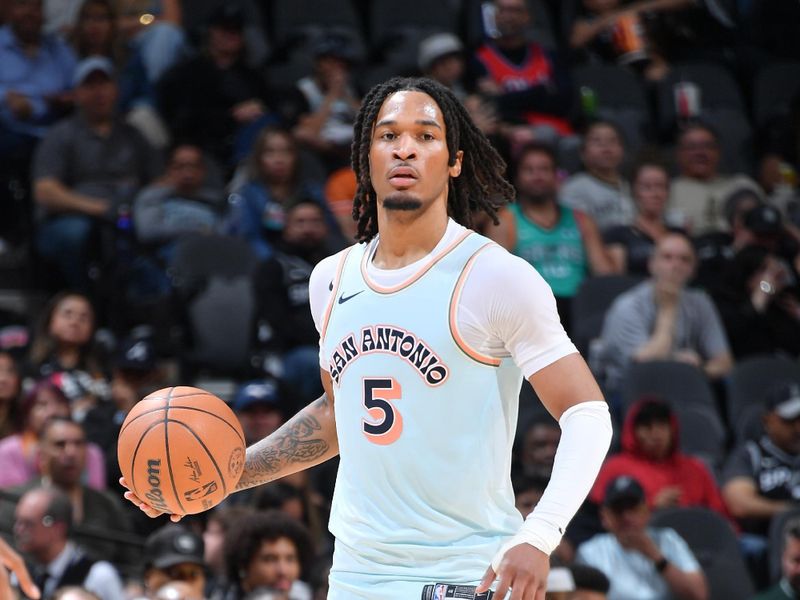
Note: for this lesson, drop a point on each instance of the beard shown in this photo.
(536, 199)
(402, 201)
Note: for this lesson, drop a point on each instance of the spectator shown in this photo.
(715, 250)
(274, 184)
(63, 347)
(185, 200)
(42, 525)
(527, 493)
(174, 553)
(328, 101)
(661, 319)
(441, 58)
(282, 297)
(601, 192)
(260, 409)
(759, 480)
(95, 31)
(640, 561)
(35, 80)
(528, 83)
(564, 245)
(64, 337)
(759, 304)
(631, 246)
(590, 583)
(63, 460)
(86, 168)
(214, 97)
(789, 585)
(698, 192)
(611, 31)
(651, 454)
(20, 453)
(269, 550)
(538, 447)
(220, 521)
(10, 387)
(135, 373)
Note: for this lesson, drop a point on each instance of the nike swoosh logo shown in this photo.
(343, 298)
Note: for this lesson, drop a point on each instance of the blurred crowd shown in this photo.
(171, 171)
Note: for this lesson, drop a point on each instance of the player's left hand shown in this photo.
(524, 569)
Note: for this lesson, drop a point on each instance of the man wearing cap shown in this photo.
(762, 478)
(174, 553)
(640, 561)
(135, 373)
(260, 409)
(86, 169)
(441, 57)
(327, 101)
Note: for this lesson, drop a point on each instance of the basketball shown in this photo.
(181, 450)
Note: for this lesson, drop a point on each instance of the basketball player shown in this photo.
(426, 331)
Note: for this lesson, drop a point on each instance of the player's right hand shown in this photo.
(143, 506)
(14, 563)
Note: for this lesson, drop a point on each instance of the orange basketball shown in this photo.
(181, 450)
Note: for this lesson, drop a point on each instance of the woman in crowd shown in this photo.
(273, 185)
(64, 344)
(10, 385)
(19, 453)
(630, 246)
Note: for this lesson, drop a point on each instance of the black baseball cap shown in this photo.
(173, 545)
(227, 16)
(784, 400)
(623, 492)
(135, 354)
(763, 220)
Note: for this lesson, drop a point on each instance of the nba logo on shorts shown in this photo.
(439, 592)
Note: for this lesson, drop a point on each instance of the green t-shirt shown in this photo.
(557, 254)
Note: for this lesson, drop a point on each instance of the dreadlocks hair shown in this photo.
(481, 187)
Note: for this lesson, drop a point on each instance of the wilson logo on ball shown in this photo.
(154, 494)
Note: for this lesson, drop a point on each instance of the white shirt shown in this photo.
(500, 294)
(101, 580)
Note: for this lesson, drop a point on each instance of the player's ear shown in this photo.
(455, 168)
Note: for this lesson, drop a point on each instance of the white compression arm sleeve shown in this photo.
(585, 438)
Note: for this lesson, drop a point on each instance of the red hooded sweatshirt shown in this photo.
(688, 473)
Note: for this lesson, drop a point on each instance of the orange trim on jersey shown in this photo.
(454, 301)
(396, 288)
(336, 280)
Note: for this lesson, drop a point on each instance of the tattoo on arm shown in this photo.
(300, 440)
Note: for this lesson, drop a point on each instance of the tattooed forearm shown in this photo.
(307, 439)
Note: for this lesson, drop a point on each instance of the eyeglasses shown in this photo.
(45, 521)
(184, 572)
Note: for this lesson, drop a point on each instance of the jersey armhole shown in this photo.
(334, 290)
(455, 299)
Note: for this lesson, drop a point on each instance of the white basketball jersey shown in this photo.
(425, 427)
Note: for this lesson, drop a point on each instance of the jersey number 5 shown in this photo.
(386, 422)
